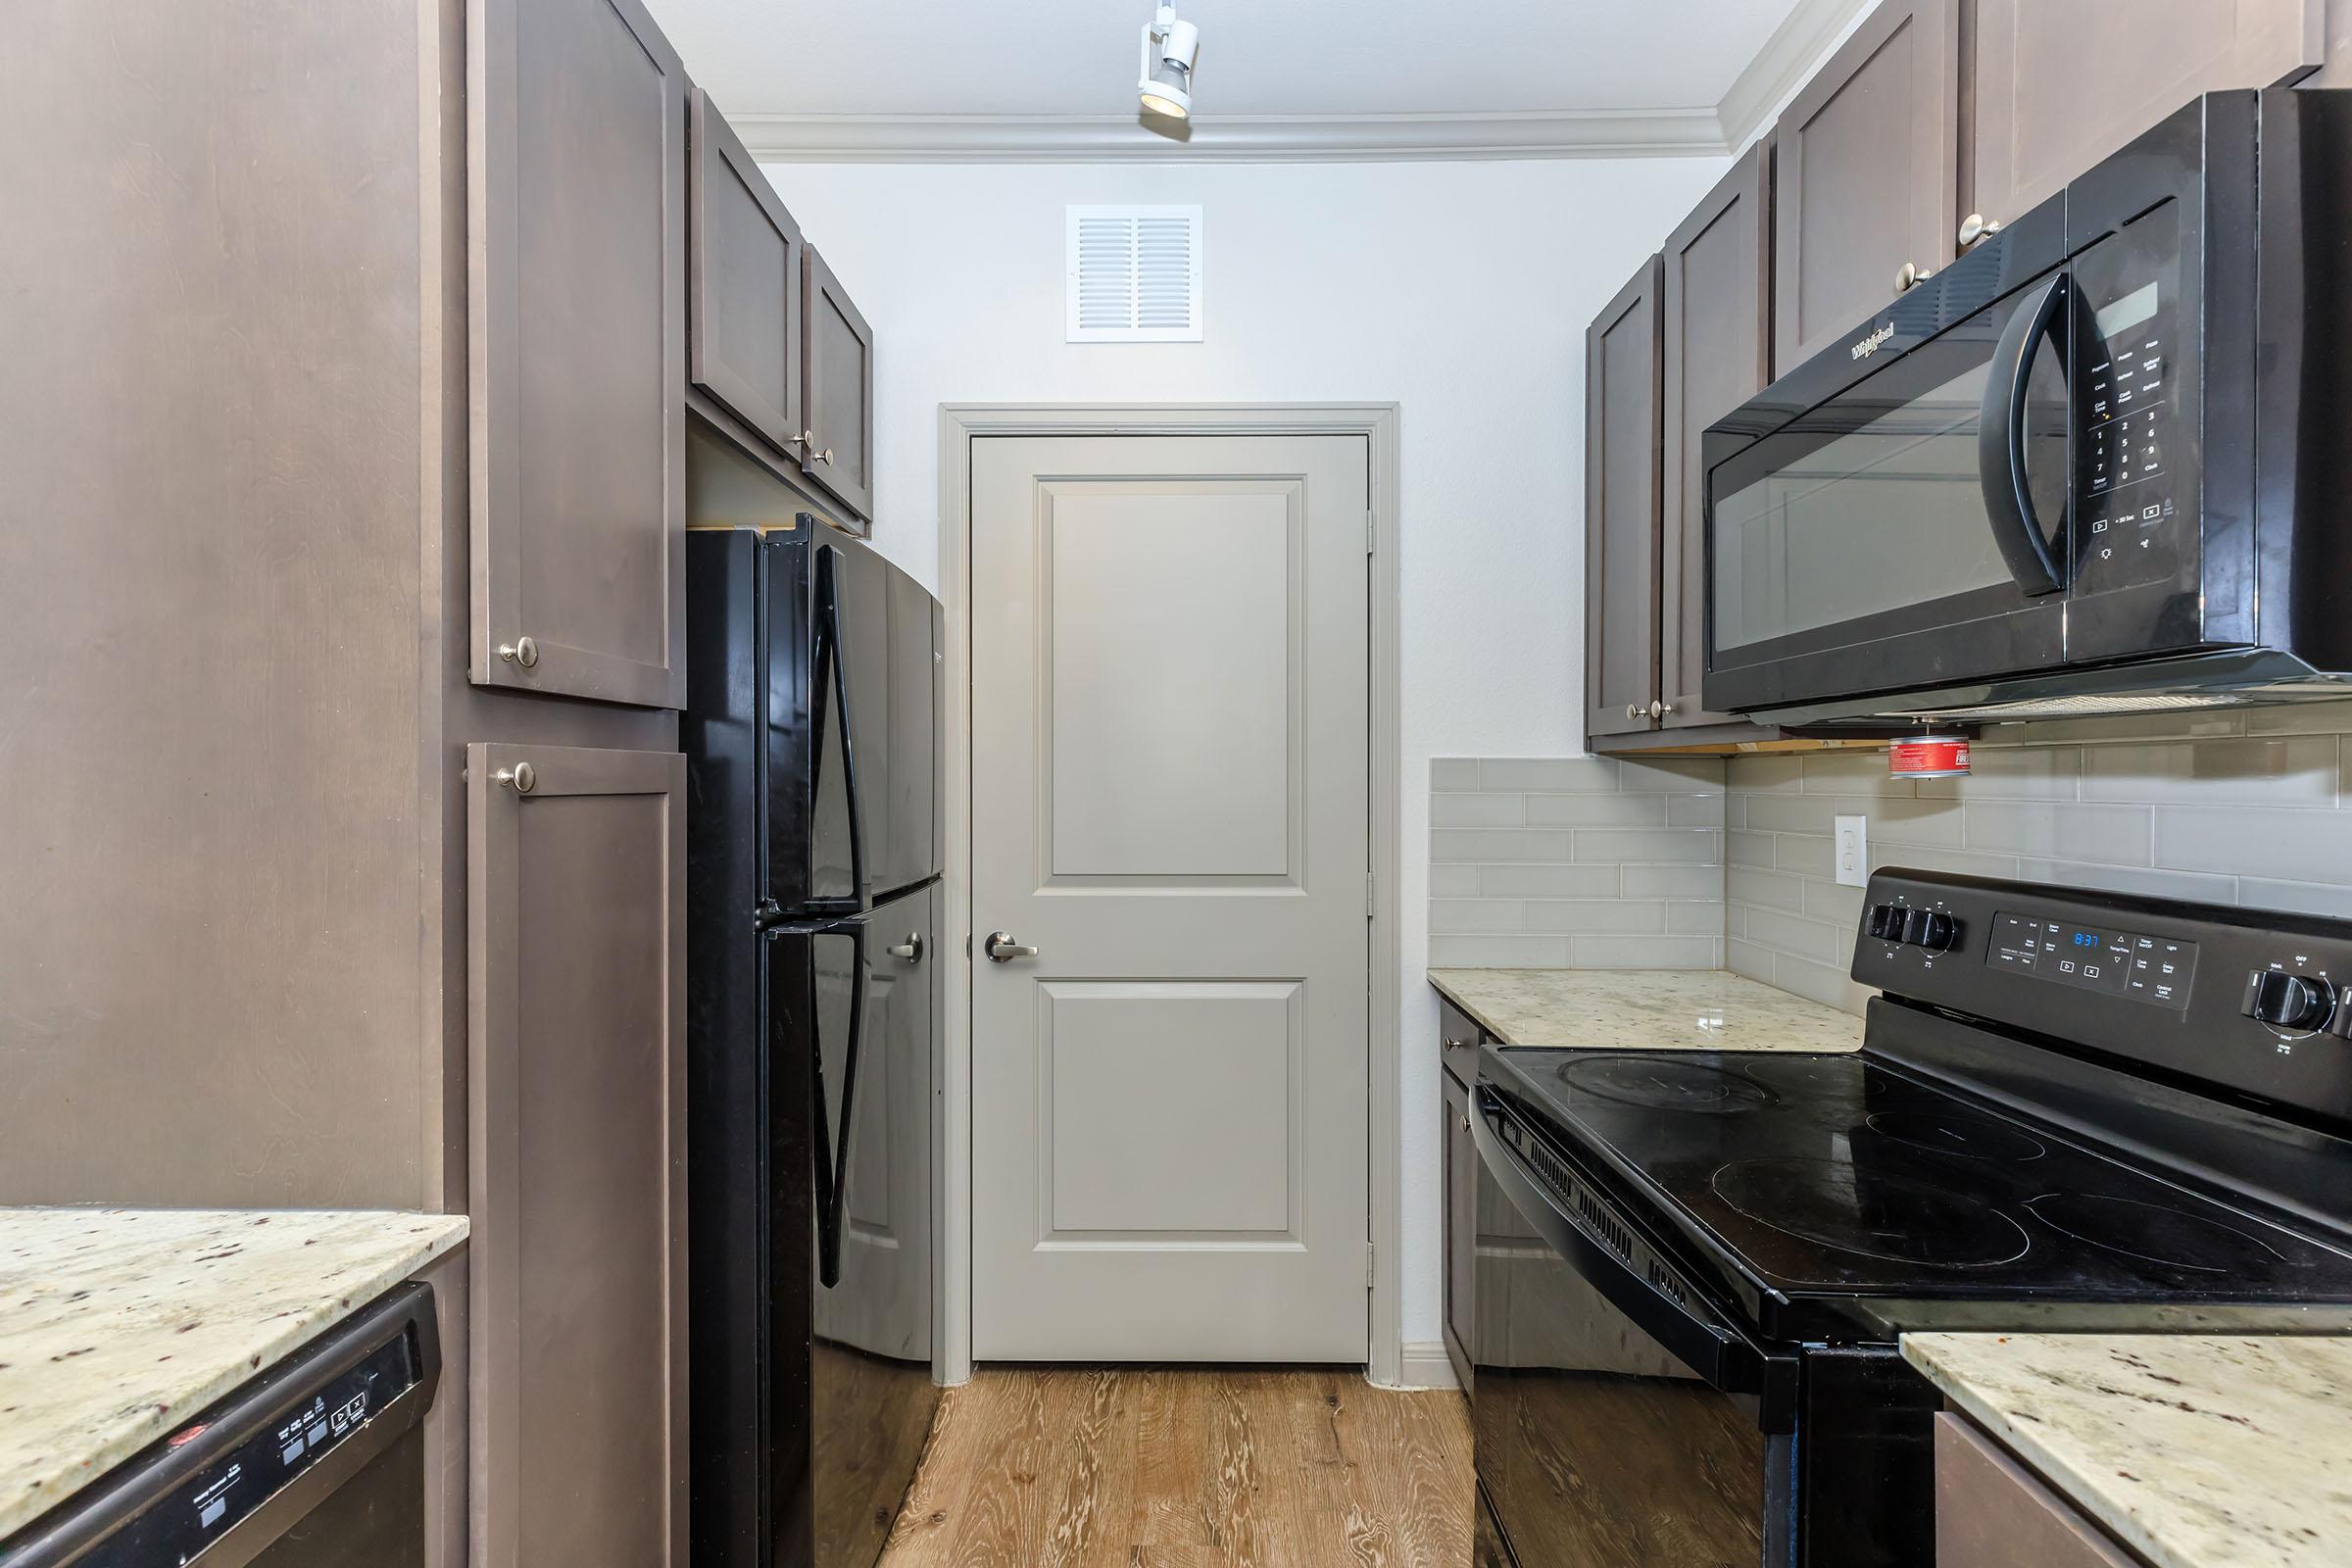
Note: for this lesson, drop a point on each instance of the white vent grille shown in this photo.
(1134, 274)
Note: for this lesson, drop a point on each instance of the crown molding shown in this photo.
(1796, 47)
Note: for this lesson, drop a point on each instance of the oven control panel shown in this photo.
(2253, 1000)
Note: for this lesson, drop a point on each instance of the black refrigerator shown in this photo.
(814, 1016)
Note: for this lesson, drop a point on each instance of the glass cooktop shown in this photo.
(1814, 1176)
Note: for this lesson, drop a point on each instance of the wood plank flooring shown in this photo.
(1188, 1467)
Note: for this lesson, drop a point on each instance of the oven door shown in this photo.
(1902, 518)
(1619, 1419)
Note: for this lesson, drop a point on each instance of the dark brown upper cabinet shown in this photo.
(1868, 178)
(1718, 354)
(2037, 126)
(1621, 508)
(742, 296)
(576, 198)
(837, 389)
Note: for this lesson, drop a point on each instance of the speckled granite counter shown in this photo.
(2197, 1451)
(117, 1324)
(1644, 1009)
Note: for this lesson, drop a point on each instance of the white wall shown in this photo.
(1459, 290)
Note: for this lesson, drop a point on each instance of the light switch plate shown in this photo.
(1853, 850)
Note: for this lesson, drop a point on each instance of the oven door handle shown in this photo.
(2001, 440)
(1722, 1357)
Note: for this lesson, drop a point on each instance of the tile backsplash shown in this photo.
(1584, 863)
(2252, 808)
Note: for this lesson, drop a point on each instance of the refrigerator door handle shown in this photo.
(829, 661)
(832, 1145)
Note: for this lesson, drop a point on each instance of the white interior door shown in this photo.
(1169, 803)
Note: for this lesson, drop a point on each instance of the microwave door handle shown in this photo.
(2001, 444)
(1724, 1359)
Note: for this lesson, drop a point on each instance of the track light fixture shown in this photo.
(1169, 49)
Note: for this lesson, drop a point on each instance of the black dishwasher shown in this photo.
(318, 1462)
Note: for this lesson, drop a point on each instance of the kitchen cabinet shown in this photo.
(2037, 127)
(1461, 1225)
(576, 150)
(577, 884)
(1622, 452)
(838, 389)
(1717, 347)
(743, 253)
(1990, 1512)
(1868, 174)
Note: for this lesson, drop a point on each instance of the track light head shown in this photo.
(1169, 49)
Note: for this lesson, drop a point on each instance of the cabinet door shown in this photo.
(1868, 174)
(1461, 1224)
(576, 949)
(2037, 127)
(1718, 354)
(576, 217)
(744, 284)
(838, 389)
(1991, 1513)
(1621, 510)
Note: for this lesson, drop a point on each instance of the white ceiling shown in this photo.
(781, 69)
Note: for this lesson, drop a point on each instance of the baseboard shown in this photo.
(1424, 1364)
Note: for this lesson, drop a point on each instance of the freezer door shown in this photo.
(911, 851)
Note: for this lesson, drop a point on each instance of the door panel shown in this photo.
(838, 392)
(1170, 654)
(1461, 1225)
(1718, 354)
(2037, 127)
(1867, 175)
(577, 222)
(745, 303)
(576, 1081)
(909, 851)
(1622, 458)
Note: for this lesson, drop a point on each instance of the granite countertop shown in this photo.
(1644, 1009)
(2194, 1451)
(116, 1325)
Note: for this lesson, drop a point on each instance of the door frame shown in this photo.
(960, 425)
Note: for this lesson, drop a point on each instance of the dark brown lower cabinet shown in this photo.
(1991, 1512)
(1461, 1224)
(576, 1081)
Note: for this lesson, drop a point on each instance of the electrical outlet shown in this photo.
(1853, 850)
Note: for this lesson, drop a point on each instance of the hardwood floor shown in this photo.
(1188, 1467)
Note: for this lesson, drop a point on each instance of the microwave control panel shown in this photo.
(2127, 515)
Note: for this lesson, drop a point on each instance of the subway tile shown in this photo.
(1477, 811)
(1923, 857)
(1853, 773)
(1547, 952)
(2274, 770)
(1594, 810)
(1815, 939)
(1666, 844)
(1458, 916)
(1497, 843)
(1792, 814)
(1734, 809)
(1770, 889)
(1675, 775)
(1452, 774)
(1453, 881)
(2012, 773)
(2300, 718)
(1548, 881)
(2117, 727)
(1734, 919)
(1804, 854)
(1748, 849)
(1746, 958)
(2330, 899)
(1694, 919)
(1835, 903)
(1820, 982)
(1908, 821)
(2107, 835)
(2202, 887)
(1595, 914)
(1591, 952)
(1692, 810)
(1674, 882)
(1558, 773)
(2257, 842)
(1753, 774)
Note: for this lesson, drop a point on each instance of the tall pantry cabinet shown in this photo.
(342, 440)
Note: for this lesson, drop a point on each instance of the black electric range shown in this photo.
(2071, 1111)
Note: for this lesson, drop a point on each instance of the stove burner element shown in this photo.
(2155, 1234)
(1952, 1130)
(1853, 1209)
(1662, 1082)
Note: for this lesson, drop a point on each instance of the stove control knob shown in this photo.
(2288, 1001)
(1929, 928)
(1886, 921)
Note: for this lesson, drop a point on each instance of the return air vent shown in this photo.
(1134, 274)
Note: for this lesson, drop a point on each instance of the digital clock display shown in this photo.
(2121, 964)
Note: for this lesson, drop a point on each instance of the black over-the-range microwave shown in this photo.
(2101, 463)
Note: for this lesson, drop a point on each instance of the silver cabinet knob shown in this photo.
(825, 456)
(1659, 709)
(1910, 275)
(1000, 947)
(521, 778)
(1975, 226)
(911, 950)
(1633, 709)
(521, 650)
(808, 438)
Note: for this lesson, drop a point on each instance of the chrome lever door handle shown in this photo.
(1000, 947)
(911, 950)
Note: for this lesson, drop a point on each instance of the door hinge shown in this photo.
(1369, 1256)
(1368, 884)
(1371, 533)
